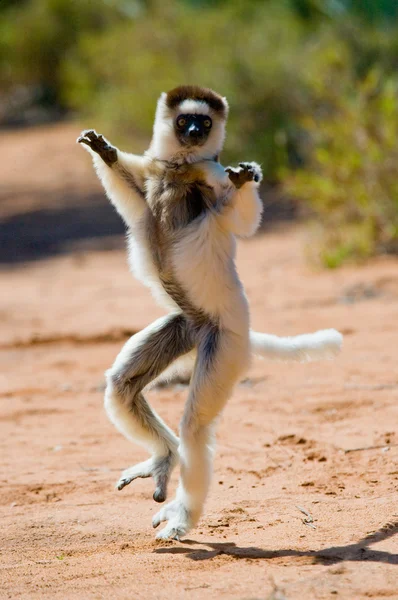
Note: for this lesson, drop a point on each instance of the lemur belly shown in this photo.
(181, 250)
(143, 266)
(202, 280)
(203, 264)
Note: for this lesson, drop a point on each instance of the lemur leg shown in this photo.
(222, 359)
(143, 358)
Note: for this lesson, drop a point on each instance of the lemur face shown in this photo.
(192, 129)
(189, 125)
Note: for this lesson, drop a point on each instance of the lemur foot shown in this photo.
(159, 468)
(247, 171)
(179, 521)
(98, 144)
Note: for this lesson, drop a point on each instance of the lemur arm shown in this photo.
(121, 174)
(242, 213)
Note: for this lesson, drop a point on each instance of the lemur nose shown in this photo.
(193, 130)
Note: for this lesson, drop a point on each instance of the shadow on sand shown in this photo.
(86, 222)
(359, 551)
(79, 223)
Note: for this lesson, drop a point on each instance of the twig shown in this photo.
(309, 520)
(103, 469)
(369, 448)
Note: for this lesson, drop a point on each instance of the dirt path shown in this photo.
(282, 444)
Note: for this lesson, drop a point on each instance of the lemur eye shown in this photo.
(207, 123)
(181, 122)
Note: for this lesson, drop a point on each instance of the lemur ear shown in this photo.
(161, 107)
(225, 101)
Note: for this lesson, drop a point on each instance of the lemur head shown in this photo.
(189, 125)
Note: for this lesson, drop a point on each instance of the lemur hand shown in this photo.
(98, 144)
(247, 171)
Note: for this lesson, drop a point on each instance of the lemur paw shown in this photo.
(98, 144)
(179, 521)
(159, 468)
(247, 171)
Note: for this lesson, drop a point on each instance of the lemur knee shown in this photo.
(125, 387)
(195, 423)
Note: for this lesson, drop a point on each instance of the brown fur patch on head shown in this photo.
(195, 92)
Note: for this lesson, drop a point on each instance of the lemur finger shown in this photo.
(247, 166)
(157, 519)
(87, 133)
(91, 134)
(164, 514)
(81, 136)
(83, 140)
(233, 171)
(123, 481)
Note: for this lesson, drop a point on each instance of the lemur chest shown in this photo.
(182, 203)
(177, 196)
(191, 252)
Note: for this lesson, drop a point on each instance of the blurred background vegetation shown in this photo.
(312, 86)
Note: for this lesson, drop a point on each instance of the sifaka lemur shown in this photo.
(183, 210)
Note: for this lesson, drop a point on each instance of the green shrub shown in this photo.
(228, 46)
(351, 177)
(36, 36)
(311, 86)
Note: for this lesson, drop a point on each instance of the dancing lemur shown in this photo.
(183, 210)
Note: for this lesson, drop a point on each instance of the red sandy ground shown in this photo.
(282, 444)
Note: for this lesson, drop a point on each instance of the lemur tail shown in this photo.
(320, 345)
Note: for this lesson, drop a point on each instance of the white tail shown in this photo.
(320, 345)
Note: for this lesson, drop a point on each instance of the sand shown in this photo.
(303, 503)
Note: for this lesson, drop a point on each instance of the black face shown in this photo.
(192, 130)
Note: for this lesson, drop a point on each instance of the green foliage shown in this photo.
(230, 47)
(37, 35)
(311, 84)
(351, 177)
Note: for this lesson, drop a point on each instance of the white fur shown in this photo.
(325, 344)
(165, 146)
(320, 345)
(127, 202)
(203, 265)
(203, 262)
(242, 207)
(182, 368)
(194, 107)
(121, 415)
(143, 267)
(243, 216)
(208, 394)
(164, 143)
(218, 179)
